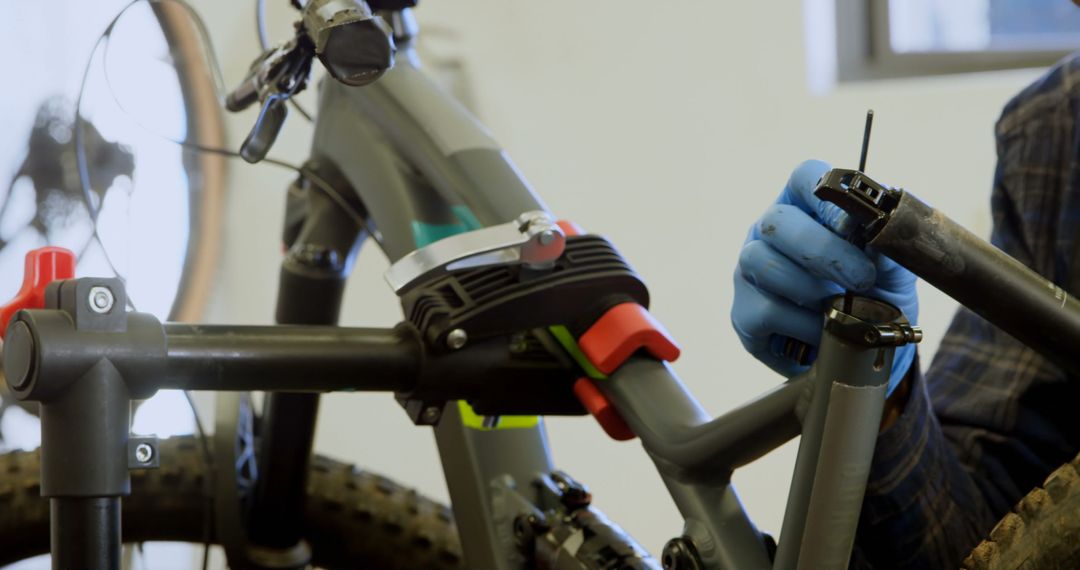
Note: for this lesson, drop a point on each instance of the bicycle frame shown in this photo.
(377, 137)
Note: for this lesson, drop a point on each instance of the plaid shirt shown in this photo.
(990, 419)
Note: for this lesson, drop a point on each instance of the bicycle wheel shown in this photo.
(152, 193)
(355, 519)
(137, 204)
(1042, 530)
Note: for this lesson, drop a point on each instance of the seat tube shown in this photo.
(840, 428)
(312, 282)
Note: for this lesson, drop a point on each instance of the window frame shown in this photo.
(864, 52)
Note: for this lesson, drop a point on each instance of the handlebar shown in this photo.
(355, 46)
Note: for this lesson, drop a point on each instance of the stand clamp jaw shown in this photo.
(511, 290)
(541, 289)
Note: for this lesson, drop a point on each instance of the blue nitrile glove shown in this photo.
(792, 261)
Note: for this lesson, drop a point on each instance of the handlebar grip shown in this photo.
(266, 129)
(354, 45)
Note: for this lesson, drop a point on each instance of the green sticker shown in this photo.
(562, 334)
(425, 233)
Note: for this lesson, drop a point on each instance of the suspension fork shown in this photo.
(322, 240)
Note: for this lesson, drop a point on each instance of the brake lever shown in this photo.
(243, 96)
(266, 129)
(275, 76)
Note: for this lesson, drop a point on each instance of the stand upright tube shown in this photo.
(72, 358)
(85, 532)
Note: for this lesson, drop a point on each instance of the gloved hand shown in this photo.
(792, 261)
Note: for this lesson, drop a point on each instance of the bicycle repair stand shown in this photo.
(85, 401)
(84, 357)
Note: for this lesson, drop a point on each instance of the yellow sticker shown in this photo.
(473, 420)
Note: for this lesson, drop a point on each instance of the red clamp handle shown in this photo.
(603, 410)
(43, 266)
(623, 330)
(620, 332)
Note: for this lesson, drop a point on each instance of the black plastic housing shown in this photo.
(589, 278)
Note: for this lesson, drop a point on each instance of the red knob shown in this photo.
(43, 266)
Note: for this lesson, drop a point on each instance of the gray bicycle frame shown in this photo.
(417, 158)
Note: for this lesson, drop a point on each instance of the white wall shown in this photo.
(667, 130)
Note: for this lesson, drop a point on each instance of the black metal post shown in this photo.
(85, 532)
(85, 367)
(290, 359)
(77, 370)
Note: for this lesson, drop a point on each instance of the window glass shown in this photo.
(982, 25)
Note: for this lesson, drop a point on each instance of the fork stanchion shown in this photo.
(321, 250)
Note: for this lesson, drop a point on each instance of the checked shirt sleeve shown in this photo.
(990, 419)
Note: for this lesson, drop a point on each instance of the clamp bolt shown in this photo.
(101, 299)
(547, 237)
(518, 343)
(679, 554)
(431, 415)
(456, 339)
(144, 453)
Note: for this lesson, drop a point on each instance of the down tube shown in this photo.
(465, 182)
(453, 152)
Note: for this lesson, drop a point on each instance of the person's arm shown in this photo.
(991, 418)
(895, 403)
(922, 508)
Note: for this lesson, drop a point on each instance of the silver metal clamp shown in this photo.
(533, 239)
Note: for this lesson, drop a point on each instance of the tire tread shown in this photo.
(1041, 531)
(355, 518)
